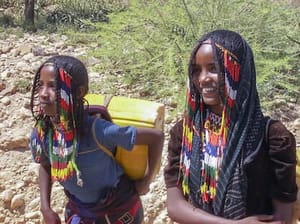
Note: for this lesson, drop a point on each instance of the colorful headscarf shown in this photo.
(59, 141)
(240, 134)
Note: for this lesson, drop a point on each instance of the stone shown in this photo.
(6, 195)
(32, 215)
(17, 201)
(5, 101)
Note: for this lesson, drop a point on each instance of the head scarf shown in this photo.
(243, 128)
(58, 142)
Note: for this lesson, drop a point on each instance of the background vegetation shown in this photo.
(146, 44)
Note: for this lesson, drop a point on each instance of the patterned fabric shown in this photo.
(244, 127)
(62, 140)
(214, 135)
(122, 205)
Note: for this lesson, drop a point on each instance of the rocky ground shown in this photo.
(19, 193)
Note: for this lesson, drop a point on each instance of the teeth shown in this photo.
(208, 89)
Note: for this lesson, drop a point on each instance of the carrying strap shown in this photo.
(102, 147)
(107, 99)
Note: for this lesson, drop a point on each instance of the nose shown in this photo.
(203, 75)
(43, 92)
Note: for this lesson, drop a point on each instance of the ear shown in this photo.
(81, 91)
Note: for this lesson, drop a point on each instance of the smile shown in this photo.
(209, 90)
(44, 104)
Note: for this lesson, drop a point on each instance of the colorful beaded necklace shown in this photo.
(61, 140)
(214, 140)
(203, 138)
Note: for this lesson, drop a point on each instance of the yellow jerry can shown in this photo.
(126, 111)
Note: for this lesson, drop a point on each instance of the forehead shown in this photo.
(47, 72)
(204, 54)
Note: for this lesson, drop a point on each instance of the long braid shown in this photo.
(58, 97)
(62, 141)
(241, 126)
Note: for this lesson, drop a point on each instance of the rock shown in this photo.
(25, 49)
(34, 205)
(28, 57)
(19, 184)
(5, 74)
(32, 215)
(297, 123)
(23, 66)
(92, 61)
(6, 195)
(5, 101)
(19, 220)
(8, 91)
(38, 51)
(2, 218)
(17, 201)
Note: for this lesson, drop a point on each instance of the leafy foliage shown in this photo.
(151, 42)
(145, 45)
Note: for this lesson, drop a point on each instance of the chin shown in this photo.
(211, 102)
(50, 114)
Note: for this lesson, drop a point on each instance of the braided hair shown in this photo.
(60, 142)
(77, 70)
(242, 117)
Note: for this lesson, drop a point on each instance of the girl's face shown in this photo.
(205, 78)
(47, 90)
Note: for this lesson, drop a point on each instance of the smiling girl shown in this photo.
(227, 162)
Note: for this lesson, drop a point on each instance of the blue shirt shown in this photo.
(99, 171)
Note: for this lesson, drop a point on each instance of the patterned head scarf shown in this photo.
(242, 125)
(60, 143)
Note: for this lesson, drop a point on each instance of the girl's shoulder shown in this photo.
(279, 138)
(278, 130)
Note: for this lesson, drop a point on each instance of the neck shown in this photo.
(216, 109)
(54, 123)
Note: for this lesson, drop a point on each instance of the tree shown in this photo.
(29, 16)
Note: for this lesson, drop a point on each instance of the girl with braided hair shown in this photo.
(62, 142)
(227, 162)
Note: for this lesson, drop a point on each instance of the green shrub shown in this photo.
(150, 43)
(145, 45)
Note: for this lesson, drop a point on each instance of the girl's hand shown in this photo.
(259, 219)
(51, 217)
(142, 186)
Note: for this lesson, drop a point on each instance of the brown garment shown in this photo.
(271, 174)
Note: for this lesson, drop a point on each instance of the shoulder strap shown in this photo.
(107, 99)
(102, 147)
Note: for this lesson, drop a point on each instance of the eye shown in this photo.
(39, 84)
(212, 68)
(51, 85)
(196, 69)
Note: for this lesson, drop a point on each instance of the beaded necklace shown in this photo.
(61, 140)
(214, 139)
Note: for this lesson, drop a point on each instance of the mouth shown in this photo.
(44, 104)
(209, 90)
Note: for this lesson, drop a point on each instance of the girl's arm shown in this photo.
(180, 211)
(283, 161)
(283, 211)
(154, 139)
(45, 184)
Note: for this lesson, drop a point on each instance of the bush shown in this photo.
(150, 43)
